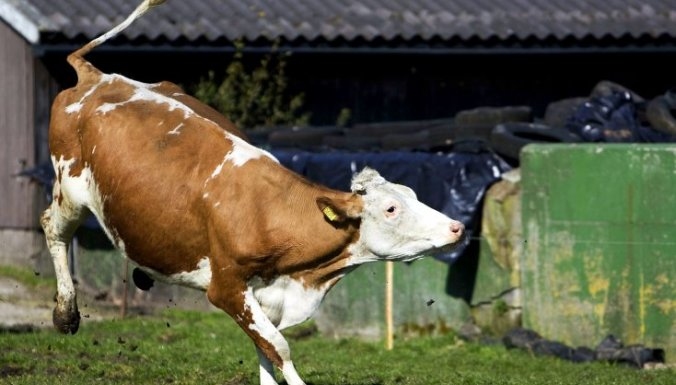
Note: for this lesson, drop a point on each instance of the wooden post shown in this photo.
(125, 288)
(389, 317)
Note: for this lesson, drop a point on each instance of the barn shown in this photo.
(387, 60)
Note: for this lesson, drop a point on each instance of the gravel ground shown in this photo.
(20, 306)
(23, 307)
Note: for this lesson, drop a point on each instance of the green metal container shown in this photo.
(496, 301)
(356, 305)
(599, 223)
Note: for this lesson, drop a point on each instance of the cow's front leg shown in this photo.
(267, 370)
(243, 307)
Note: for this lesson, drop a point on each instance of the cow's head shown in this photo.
(394, 224)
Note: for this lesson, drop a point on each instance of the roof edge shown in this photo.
(25, 19)
(304, 48)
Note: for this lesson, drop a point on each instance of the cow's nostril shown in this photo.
(456, 227)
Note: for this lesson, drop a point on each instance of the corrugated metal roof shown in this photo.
(213, 20)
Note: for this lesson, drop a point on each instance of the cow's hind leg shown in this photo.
(59, 223)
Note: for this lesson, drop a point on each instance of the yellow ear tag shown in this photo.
(328, 211)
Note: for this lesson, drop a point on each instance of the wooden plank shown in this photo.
(17, 131)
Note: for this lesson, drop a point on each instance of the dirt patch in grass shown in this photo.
(239, 379)
(12, 370)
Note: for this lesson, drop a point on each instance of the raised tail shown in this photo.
(76, 60)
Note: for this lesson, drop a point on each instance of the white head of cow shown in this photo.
(395, 225)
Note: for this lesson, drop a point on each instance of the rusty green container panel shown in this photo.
(496, 298)
(356, 305)
(599, 223)
(501, 245)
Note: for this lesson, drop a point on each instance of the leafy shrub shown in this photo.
(257, 97)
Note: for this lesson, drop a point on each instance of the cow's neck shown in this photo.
(321, 250)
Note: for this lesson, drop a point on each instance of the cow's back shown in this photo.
(147, 160)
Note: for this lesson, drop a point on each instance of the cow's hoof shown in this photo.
(66, 319)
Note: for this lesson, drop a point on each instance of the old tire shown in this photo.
(399, 127)
(412, 141)
(607, 88)
(660, 113)
(490, 116)
(509, 138)
(307, 137)
(352, 143)
(559, 112)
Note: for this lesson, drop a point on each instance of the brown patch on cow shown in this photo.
(272, 225)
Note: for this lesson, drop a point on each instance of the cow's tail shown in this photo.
(76, 59)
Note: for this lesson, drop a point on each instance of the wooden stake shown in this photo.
(125, 289)
(389, 318)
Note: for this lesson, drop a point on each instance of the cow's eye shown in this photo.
(391, 210)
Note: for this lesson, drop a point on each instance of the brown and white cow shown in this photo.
(182, 194)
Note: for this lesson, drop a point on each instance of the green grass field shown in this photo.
(181, 347)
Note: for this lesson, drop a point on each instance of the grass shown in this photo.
(27, 277)
(181, 347)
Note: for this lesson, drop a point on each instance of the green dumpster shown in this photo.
(599, 225)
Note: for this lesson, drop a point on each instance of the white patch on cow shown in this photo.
(205, 195)
(176, 130)
(72, 108)
(83, 191)
(146, 94)
(218, 169)
(93, 149)
(359, 254)
(264, 327)
(287, 301)
(79, 188)
(243, 152)
(262, 324)
(131, 82)
(200, 278)
(77, 106)
(107, 107)
(217, 204)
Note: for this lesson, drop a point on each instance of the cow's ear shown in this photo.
(339, 210)
(366, 179)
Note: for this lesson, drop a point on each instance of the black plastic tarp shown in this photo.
(613, 118)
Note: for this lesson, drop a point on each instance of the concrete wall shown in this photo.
(24, 248)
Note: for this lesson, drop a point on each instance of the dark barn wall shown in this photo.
(387, 87)
(401, 87)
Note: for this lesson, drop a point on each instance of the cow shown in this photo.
(181, 193)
